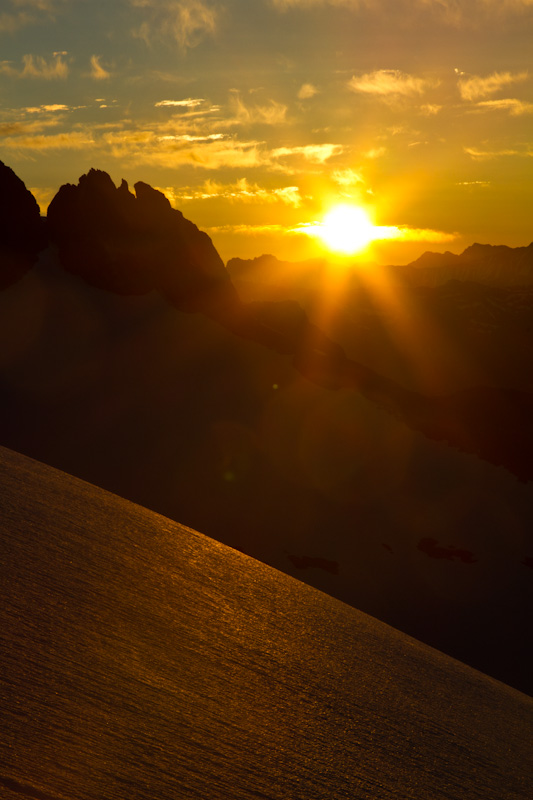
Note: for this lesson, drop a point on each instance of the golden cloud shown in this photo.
(482, 155)
(307, 91)
(475, 87)
(347, 177)
(75, 140)
(402, 233)
(318, 153)
(97, 71)
(272, 114)
(240, 191)
(515, 107)
(249, 230)
(33, 12)
(38, 67)
(189, 102)
(185, 21)
(389, 82)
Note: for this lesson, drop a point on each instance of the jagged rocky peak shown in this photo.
(133, 243)
(22, 233)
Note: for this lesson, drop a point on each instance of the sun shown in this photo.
(346, 229)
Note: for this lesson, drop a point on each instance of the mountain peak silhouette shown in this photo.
(21, 228)
(134, 243)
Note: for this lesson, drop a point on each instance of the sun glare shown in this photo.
(346, 229)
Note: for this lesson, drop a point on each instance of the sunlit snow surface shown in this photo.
(140, 659)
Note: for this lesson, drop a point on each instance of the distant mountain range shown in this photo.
(492, 265)
(379, 445)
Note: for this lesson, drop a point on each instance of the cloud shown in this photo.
(375, 152)
(430, 109)
(249, 230)
(346, 177)
(186, 22)
(97, 71)
(187, 137)
(38, 67)
(401, 233)
(317, 153)
(389, 82)
(475, 87)
(355, 4)
(474, 184)
(406, 234)
(515, 107)
(271, 114)
(150, 147)
(73, 140)
(189, 102)
(482, 155)
(240, 191)
(448, 12)
(9, 23)
(46, 108)
(307, 91)
(24, 13)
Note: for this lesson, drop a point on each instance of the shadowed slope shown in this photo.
(141, 660)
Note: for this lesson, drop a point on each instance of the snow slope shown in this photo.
(141, 660)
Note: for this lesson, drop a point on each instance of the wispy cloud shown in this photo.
(187, 137)
(407, 234)
(354, 4)
(430, 109)
(240, 191)
(26, 12)
(37, 67)
(307, 91)
(389, 82)
(71, 140)
(475, 87)
(515, 107)
(347, 177)
(149, 146)
(249, 230)
(273, 113)
(448, 12)
(54, 107)
(483, 155)
(189, 102)
(375, 152)
(317, 153)
(400, 233)
(186, 22)
(97, 70)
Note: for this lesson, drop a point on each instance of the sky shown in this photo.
(257, 117)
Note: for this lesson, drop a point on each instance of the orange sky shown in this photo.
(256, 118)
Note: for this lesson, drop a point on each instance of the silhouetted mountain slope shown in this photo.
(21, 228)
(268, 278)
(281, 448)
